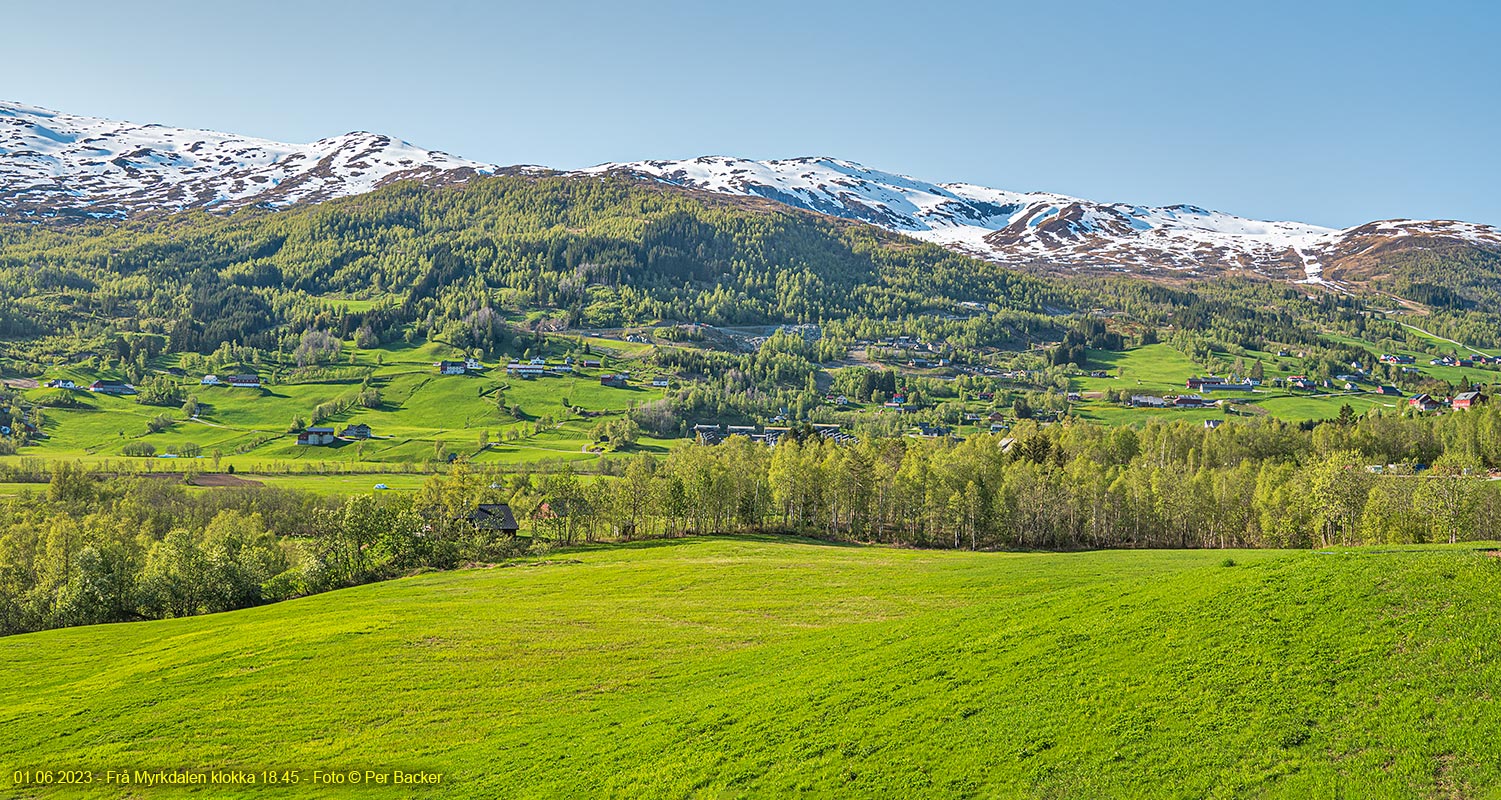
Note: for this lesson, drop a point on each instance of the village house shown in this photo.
(772, 435)
(708, 434)
(660, 383)
(590, 362)
(62, 383)
(1148, 401)
(1188, 401)
(112, 387)
(524, 370)
(316, 437)
(1211, 424)
(447, 367)
(615, 381)
(244, 381)
(210, 380)
(1389, 391)
(1424, 402)
(833, 434)
(494, 517)
(473, 365)
(1397, 358)
(1467, 400)
(356, 431)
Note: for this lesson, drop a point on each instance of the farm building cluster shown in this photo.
(715, 433)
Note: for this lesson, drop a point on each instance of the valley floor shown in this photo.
(772, 668)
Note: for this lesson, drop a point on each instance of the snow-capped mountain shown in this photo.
(53, 163)
(1038, 229)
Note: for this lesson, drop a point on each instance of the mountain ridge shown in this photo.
(59, 165)
(1053, 231)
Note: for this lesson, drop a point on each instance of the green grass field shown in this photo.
(419, 409)
(425, 417)
(1159, 369)
(764, 668)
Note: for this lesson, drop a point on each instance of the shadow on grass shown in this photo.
(678, 541)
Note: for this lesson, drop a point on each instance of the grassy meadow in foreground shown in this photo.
(768, 668)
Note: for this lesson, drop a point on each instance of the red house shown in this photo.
(1424, 402)
(1465, 400)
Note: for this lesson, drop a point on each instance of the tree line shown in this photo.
(1253, 483)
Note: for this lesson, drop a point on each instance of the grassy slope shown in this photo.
(1161, 370)
(755, 668)
(420, 408)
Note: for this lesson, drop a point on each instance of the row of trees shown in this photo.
(1257, 483)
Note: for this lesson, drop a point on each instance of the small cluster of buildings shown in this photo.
(906, 342)
(538, 367)
(1346, 382)
(1214, 383)
(112, 387)
(1460, 402)
(1455, 361)
(322, 436)
(468, 365)
(712, 434)
(928, 430)
(235, 381)
(1171, 401)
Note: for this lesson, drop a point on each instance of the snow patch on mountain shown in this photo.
(55, 163)
(1009, 227)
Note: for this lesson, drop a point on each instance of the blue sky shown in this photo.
(1334, 113)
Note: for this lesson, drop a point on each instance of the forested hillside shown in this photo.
(586, 251)
(559, 251)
